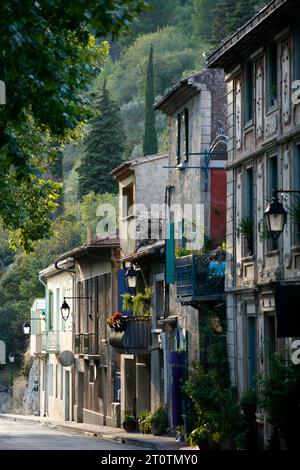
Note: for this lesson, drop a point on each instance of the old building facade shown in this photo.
(262, 66)
(142, 185)
(50, 336)
(196, 110)
(96, 383)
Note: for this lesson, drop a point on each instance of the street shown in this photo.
(30, 436)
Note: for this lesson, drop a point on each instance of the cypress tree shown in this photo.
(104, 148)
(150, 139)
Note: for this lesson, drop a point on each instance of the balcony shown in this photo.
(50, 342)
(87, 344)
(199, 281)
(135, 339)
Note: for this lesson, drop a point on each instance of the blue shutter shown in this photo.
(170, 255)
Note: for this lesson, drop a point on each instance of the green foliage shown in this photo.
(245, 227)
(202, 17)
(208, 387)
(19, 285)
(229, 15)
(159, 424)
(48, 56)
(88, 211)
(249, 398)
(281, 398)
(145, 421)
(139, 304)
(127, 302)
(173, 56)
(104, 147)
(150, 137)
(129, 419)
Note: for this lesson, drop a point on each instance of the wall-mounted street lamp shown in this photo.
(27, 325)
(275, 214)
(65, 308)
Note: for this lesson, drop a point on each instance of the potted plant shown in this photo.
(248, 405)
(200, 437)
(245, 228)
(130, 423)
(159, 423)
(145, 422)
(139, 304)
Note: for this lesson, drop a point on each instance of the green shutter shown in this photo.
(170, 255)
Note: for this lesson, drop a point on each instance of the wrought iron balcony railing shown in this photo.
(87, 344)
(198, 279)
(50, 342)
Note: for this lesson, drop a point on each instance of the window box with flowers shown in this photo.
(132, 334)
(117, 322)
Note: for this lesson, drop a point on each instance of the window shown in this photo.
(249, 212)
(272, 184)
(56, 381)
(92, 373)
(183, 136)
(127, 200)
(249, 92)
(61, 382)
(57, 312)
(50, 380)
(251, 353)
(270, 340)
(272, 75)
(44, 377)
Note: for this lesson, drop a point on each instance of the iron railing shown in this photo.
(87, 344)
(50, 342)
(195, 278)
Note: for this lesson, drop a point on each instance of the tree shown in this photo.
(48, 56)
(150, 138)
(231, 15)
(104, 148)
(202, 17)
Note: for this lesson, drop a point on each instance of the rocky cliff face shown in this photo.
(31, 395)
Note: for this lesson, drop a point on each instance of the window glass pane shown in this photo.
(273, 75)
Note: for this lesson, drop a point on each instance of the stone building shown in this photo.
(262, 66)
(196, 111)
(50, 335)
(142, 185)
(96, 370)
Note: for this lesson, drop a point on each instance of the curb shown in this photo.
(96, 434)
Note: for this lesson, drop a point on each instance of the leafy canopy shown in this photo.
(48, 55)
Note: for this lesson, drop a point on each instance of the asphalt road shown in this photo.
(17, 435)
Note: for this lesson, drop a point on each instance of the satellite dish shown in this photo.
(66, 358)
